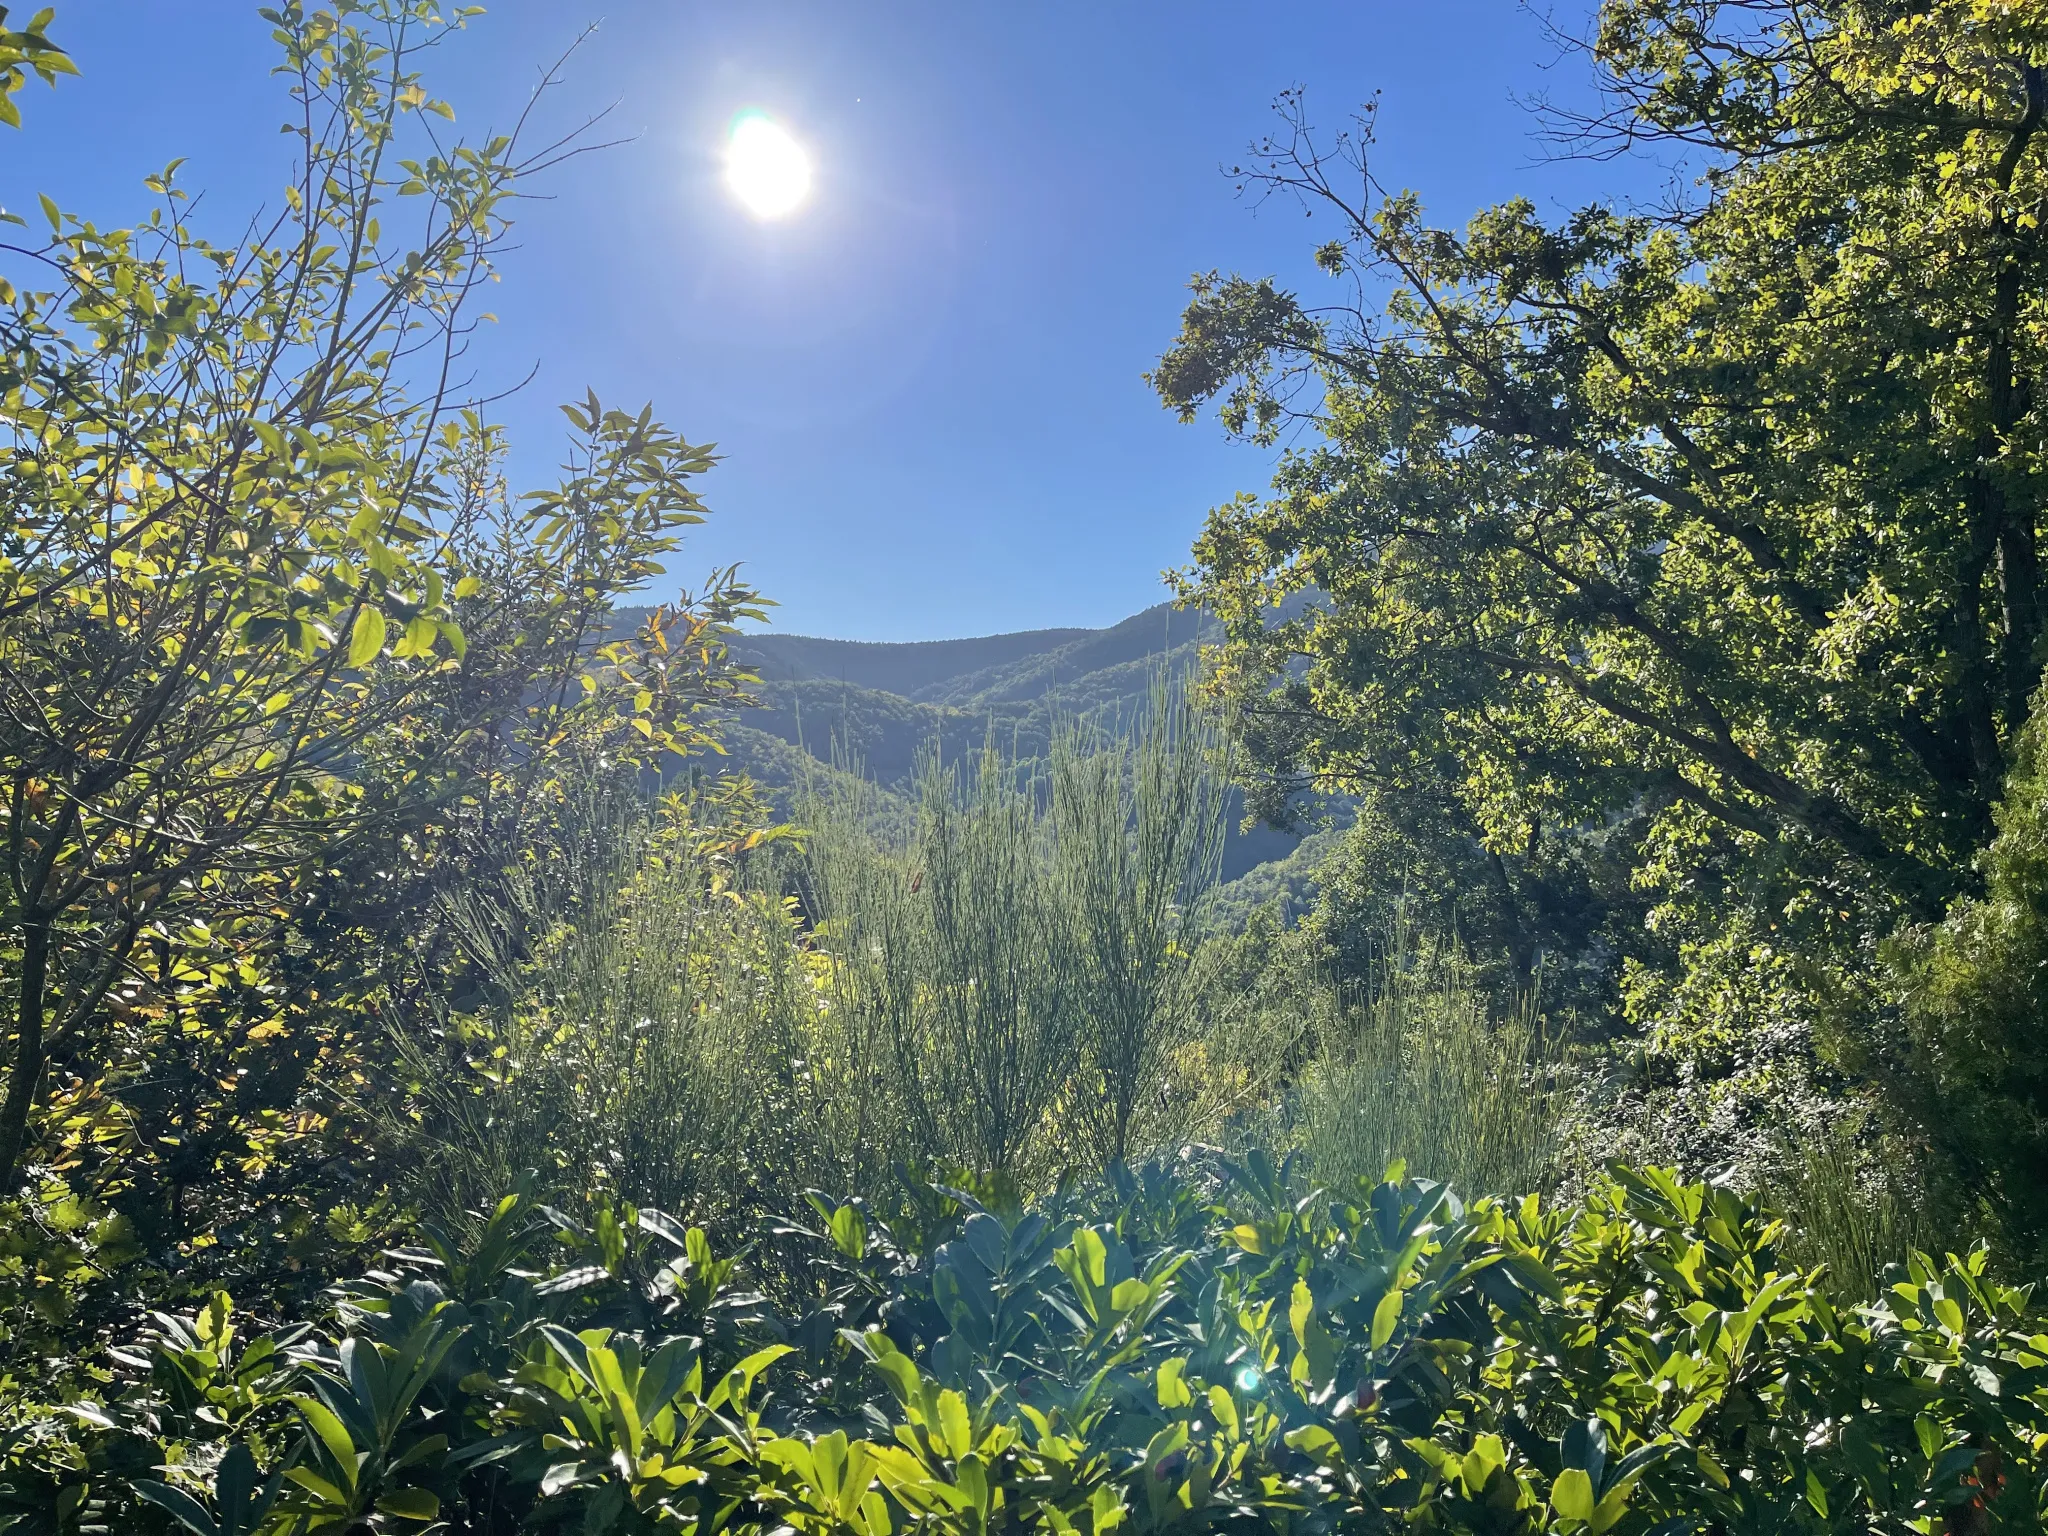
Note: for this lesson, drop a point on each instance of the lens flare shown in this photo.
(765, 167)
(1250, 1379)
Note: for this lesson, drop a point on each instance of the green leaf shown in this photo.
(316, 1485)
(1384, 1317)
(366, 639)
(663, 1376)
(1572, 1494)
(849, 1230)
(1485, 1458)
(1224, 1407)
(181, 1506)
(739, 1381)
(340, 1445)
(1106, 1510)
(1169, 1388)
(410, 1504)
(954, 1424)
(420, 634)
(1315, 1442)
(1816, 1495)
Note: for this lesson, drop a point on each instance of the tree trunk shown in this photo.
(25, 1072)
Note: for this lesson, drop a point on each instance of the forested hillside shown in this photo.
(879, 709)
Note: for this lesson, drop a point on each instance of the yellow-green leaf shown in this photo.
(420, 635)
(1170, 1389)
(954, 1424)
(1572, 1494)
(366, 639)
(316, 1485)
(340, 1444)
(410, 1504)
(1224, 1407)
(1385, 1316)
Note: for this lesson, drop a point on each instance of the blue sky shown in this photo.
(926, 383)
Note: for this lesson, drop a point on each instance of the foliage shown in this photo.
(281, 656)
(1975, 1014)
(1857, 1201)
(645, 1010)
(1721, 524)
(951, 966)
(1184, 1349)
(24, 51)
(641, 1027)
(339, 900)
(1138, 830)
(1015, 982)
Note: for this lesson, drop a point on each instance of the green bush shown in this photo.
(1977, 1015)
(1012, 983)
(640, 1016)
(1203, 1345)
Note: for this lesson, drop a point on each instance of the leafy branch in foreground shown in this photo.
(24, 51)
(249, 530)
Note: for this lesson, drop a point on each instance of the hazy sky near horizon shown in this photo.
(926, 382)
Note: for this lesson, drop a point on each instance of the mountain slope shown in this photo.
(877, 709)
(1159, 634)
(907, 669)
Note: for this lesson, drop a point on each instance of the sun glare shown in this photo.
(766, 168)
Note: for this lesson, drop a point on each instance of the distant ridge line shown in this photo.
(949, 670)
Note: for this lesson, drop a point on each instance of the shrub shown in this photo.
(644, 1019)
(1201, 1345)
(1015, 979)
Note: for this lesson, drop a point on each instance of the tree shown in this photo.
(25, 51)
(1977, 1014)
(249, 532)
(1726, 517)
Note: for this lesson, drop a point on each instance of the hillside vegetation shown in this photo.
(877, 709)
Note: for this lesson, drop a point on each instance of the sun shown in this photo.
(767, 169)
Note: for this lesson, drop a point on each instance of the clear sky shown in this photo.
(925, 382)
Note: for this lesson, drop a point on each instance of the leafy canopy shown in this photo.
(1725, 519)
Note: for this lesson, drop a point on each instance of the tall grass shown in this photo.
(1138, 822)
(949, 962)
(1855, 1203)
(1415, 1067)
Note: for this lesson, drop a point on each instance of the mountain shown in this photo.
(875, 708)
(907, 669)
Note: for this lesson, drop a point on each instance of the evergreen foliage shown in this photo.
(1213, 1344)
(1977, 1014)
